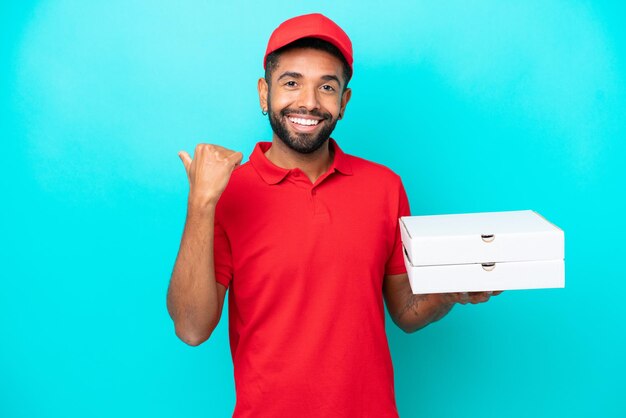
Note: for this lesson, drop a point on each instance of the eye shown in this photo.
(328, 87)
(291, 83)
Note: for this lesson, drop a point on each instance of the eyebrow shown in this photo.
(289, 74)
(331, 77)
(293, 74)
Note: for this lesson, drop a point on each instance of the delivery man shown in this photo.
(306, 240)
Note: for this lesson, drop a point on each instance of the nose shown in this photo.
(308, 98)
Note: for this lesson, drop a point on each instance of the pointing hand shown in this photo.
(208, 172)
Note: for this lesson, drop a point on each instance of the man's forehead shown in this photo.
(308, 62)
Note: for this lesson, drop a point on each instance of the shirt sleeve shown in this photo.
(222, 255)
(395, 263)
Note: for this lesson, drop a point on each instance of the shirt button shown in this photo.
(313, 192)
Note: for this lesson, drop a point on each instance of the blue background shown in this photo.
(479, 106)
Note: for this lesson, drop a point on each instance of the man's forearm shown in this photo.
(421, 310)
(192, 295)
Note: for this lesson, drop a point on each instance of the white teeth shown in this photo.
(306, 122)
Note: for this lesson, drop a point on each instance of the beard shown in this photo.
(304, 143)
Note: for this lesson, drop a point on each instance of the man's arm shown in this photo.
(194, 298)
(412, 312)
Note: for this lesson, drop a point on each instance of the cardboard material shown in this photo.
(482, 252)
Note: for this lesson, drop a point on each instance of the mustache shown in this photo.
(315, 113)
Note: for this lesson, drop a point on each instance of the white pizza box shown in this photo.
(476, 277)
(482, 252)
(522, 235)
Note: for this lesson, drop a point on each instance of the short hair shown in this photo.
(312, 43)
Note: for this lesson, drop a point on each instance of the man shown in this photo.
(307, 240)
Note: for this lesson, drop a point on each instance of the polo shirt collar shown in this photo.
(341, 163)
(272, 174)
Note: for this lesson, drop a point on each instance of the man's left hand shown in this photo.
(468, 297)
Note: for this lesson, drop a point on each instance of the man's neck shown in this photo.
(313, 165)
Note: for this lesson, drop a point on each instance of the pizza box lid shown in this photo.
(485, 237)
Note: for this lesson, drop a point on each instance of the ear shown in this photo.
(263, 89)
(345, 98)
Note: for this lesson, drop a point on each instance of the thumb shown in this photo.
(186, 159)
(235, 158)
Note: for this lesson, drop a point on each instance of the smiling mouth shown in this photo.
(303, 121)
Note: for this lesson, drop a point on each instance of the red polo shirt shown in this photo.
(305, 264)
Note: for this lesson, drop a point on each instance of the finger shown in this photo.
(186, 159)
(463, 298)
(480, 297)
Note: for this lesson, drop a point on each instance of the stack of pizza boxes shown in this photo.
(482, 252)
